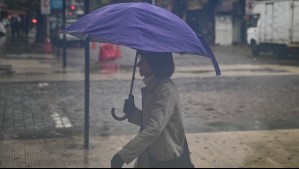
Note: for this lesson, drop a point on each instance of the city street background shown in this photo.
(247, 117)
(42, 103)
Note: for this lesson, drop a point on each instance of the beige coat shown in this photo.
(163, 134)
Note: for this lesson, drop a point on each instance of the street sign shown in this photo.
(56, 4)
(45, 7)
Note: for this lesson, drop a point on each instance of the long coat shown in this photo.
(162, 133)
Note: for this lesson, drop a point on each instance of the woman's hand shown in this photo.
(129, 106)
(117, 161)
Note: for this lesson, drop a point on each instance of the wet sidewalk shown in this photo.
(250, 149)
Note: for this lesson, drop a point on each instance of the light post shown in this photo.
(87, 86)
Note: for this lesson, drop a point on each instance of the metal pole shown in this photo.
(64, 35)
(57, 35)
(292, 21)
(154, 2)
(87, 80)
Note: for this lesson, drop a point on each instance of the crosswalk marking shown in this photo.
(61, 122)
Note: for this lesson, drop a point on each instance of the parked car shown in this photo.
(2, 30)
(6, 22)
(57, 38)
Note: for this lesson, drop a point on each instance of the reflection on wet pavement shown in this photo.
(109, 67)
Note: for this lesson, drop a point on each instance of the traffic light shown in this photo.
(71, 13)
(34, 20)
(72, 10)
(73, 7)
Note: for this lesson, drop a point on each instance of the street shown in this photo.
(252, 94)
(248, 117)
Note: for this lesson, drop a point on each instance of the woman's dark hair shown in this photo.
(161, 63)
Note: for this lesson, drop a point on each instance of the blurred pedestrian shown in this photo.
(15, 27)
(18, 26)
(161, 141)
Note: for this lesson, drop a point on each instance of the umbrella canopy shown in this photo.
(141, 26)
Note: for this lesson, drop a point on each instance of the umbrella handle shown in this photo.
(118, 118)
(131, 90)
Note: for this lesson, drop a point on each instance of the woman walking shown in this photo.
(161, 141)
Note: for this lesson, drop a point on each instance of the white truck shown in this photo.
(274, 26)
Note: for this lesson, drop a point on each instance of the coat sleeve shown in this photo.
(136, 118)
(162, 109)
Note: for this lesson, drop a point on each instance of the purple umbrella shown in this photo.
(141, 26)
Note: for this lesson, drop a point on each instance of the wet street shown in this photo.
(248, 117)
(252, 94)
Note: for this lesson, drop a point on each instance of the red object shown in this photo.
(34, 20)
(107, 52)
(47, 46)
(73, 7)
(93, 45)
(118, 52)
